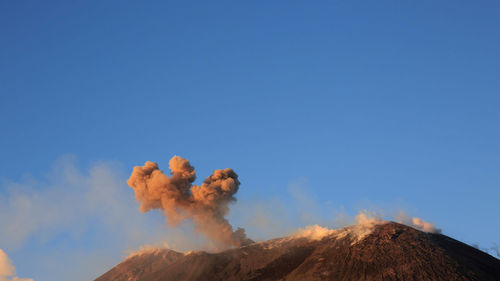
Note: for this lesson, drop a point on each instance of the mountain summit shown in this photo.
(386, 251)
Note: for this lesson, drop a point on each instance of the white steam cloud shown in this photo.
(417, 223)
(364, 224)
(8, 270)
(313, 232)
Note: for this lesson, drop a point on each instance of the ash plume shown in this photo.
(179, 199)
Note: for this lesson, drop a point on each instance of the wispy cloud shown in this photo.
(84, 216)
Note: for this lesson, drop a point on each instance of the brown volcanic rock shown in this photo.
(134, 267)
(390, 252)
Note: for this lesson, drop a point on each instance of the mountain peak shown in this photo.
(382, 251)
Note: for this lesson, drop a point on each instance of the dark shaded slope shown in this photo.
(138, 266)
(398, 252)
(391, 252)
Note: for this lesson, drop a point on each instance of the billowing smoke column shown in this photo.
(205, 205)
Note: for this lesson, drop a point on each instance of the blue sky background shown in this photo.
(389, 104)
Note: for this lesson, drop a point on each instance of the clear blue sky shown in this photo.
(391, 103)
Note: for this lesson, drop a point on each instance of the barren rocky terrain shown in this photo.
(389, 251)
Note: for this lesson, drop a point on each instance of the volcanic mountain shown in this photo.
(384, 251)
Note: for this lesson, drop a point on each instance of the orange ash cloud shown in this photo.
(206, 205)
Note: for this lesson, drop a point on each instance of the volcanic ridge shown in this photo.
(383, 251)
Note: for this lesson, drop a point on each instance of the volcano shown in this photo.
(386, 251)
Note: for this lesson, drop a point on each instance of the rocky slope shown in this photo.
(388, 251)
